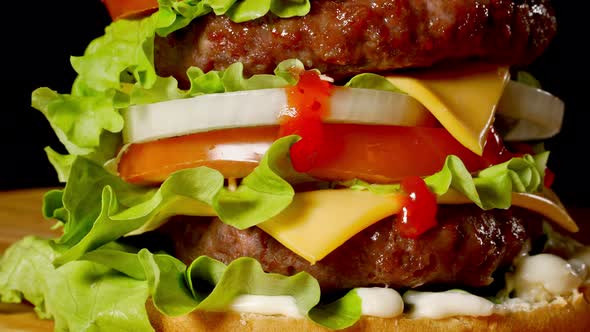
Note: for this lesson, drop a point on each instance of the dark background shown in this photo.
(41, 35)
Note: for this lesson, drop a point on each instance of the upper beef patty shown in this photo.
(465, 249)
(345, 37)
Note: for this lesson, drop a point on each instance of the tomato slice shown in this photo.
(129, 8)
(377, 154)
(386, 154)
(233, 152)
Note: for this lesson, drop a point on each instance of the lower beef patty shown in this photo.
(467, 246)
(345, 37)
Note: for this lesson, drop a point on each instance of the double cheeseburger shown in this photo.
(306, 165)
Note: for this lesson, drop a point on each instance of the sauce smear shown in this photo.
(308, 103)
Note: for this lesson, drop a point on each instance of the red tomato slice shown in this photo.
(386, 154)
(377, 154)
(129, 8)
(233, 152)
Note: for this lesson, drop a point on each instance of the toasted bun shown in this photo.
(562, 316)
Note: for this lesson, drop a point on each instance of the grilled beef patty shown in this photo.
(465, 249)
(345, 37)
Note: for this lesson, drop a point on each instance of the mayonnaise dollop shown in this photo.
(545, 276)
(284, 305)
(380, 302)
(446, 304)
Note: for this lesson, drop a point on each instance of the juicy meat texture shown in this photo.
(465, 249)
(345, 37)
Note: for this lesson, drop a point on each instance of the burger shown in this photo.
(306, 165)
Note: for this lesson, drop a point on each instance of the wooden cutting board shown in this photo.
(20, 215)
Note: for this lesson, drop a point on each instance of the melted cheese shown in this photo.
(463, 100)
(318, 222)
(543, 205)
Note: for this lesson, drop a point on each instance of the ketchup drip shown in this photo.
(308, 103)
(495, 151)
(418, 208)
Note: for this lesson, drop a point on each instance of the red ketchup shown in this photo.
(495, 151)
(308, 103)
(418, 208)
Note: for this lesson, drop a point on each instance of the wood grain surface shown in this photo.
(20, 215)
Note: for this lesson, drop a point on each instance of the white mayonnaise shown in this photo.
(266, 305)
(380, 302)
(377, 302)
(537, 279)
(544, 276)
(446, 304)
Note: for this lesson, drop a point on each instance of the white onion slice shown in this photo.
(263, 107)
(533, 113)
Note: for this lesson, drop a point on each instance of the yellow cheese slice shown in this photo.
(317, 222)
(462, 99)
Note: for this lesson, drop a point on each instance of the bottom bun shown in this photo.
(562, 316)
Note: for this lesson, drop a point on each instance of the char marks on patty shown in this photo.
(344, 37)
(465, 249)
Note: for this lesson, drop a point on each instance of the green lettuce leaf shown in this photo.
(527, 78)
(53, 209)
(342, 313)
(98, 207)
(175, 15)
(210, 285)
(233, 80)
(229, 80)
(61, 163)
(162, 90)
(263, 193)
(78, 121)
(78, 296)
(372, 81)
(490, 188)
(187, 192)
(165, 277)
(83, 194)
(107, 289)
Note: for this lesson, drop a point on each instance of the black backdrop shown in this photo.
(40, 36)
